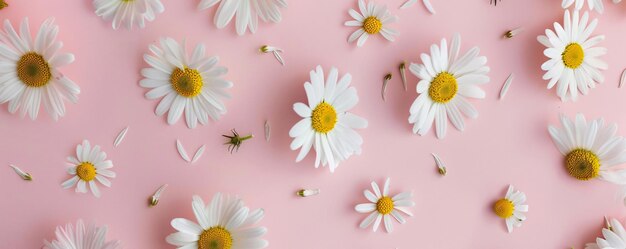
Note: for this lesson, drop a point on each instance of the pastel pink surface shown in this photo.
(507, 144)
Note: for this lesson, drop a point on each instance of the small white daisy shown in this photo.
(81, 237)
(192, 85)
(591, 149)
(225, 223)
(326, 124)
(446, 81)
(382, 207)
(29, 70)
(511, 208)
(246, 12)
(128, 13)
(372, 20)
(574, 62)
(88, 166)
(614, 237)
(593, 4)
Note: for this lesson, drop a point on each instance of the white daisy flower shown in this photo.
(614, 237)
(593, 4)
(81, 237)
(511, 208)
(246, 12)
(446, 81)
(372, 20)
(591, 149)
(128, 13)
(29, 70)
(225, 223)
(574, 62)
(190, 84)
(89, 165)
(326, 124)
(382, 207)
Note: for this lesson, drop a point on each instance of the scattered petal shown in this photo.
(512, 33)
(408, 3)
(385, 82)
(25, 176)
(198, 154)
(308, 192)
(440, 166)
(154, 199)
(429, 6)
(403, 75)
(622, 79)
(181, 151)
(507, 84)
(267, 131)
(120, 137)
(274, 50)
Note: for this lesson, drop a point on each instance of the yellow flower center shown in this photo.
(187, 82)
(324, 118)
(215, 238)
(33, 70)
(372, 25)
(582, 164)
(503, 208)
(443, 88)
(86, 171)
(573, 55)
(384, 205)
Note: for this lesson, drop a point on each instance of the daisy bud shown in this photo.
(511, 33)
(154, 199)
(25, 176)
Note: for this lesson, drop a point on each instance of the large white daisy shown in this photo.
(28, 69)
(186, 84)
(446, 82)
(511, 208)
(89, 165)
(574, 62)
(614, 237)
(225, 223)
(81, 237)
(246, 12)
(591, 149)
(326, 124)
(372, 19)
(382, 207)
(128, 13)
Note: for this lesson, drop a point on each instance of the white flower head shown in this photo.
(81, 237)
(511, 208)
(189, 84)
(614, 237)
(30, 73)
(89, 165)
(225, 223)
(593, 4)
(326, 124)
(447, 80)
(382, 207)
(128, 13)
(372, 19)
(574, 64)
(245, 12)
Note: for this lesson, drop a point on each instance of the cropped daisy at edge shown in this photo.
(128, 13)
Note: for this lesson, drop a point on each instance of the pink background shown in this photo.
(507, 144)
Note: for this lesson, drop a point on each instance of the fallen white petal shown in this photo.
(385, 83)
(154, 199)
(623, 78)
(403, 75)
(507, 84)
(308, 192)
(440, 165)
(21, 173)
(279, 57)
(198, 154)
(408, 3)
(181, 151)
(120, 137)
(429, 6)
(267, 131)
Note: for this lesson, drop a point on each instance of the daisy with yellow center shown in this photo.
(30, 73)
(81, 236)
(128, 13)
(88, 167)
(372, 20)
(192, 85)
(447, 80)
(614, 237)
(511, 208)
(225, 223)
(382, 207)
(574, 64)
(246, 12)
(326, 124)
(591, 149)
